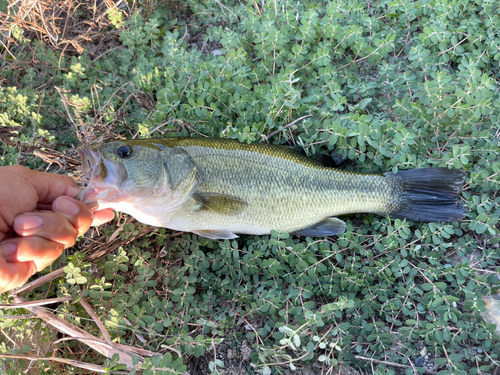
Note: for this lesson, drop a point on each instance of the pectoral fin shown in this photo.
(219, 203)
(216, 234)
(327, 227)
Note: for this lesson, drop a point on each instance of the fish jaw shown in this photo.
(105, 178)
(100, 197)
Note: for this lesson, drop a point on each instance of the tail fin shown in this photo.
(429, 194)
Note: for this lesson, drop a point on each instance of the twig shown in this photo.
(107, 51)
(7, 49)
(65, 103)
(392, 364)
(8, 338)
(361, 59)
(17, 317)
(453, 47)
(36, 120)
(38, 282)
(226, 8)
(258, 9)
(111, 247)
(124, 352)
(71, 362)
(266, 137)
(46, 28)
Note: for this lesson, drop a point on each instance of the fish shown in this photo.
(218, 188)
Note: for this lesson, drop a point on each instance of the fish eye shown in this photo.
(124, 151)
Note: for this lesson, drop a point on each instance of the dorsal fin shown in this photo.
(330, 161)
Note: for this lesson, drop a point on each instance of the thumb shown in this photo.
(48, 186)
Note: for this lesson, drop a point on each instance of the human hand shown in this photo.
(39, 218)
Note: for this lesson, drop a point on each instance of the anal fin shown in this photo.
(214, 234)
(327, 227)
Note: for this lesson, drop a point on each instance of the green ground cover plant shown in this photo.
(388, 85)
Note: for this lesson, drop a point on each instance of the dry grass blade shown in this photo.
(42, 302)
(38, 282)
(103, 329)
(51, 157)
(112, 246)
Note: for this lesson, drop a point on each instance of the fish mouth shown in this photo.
(90, 161)
(102, 178)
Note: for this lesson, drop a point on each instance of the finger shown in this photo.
(48, 186)
(75, 211)
(103, 216)
(13, 275)
(49, 225)
(38, 250)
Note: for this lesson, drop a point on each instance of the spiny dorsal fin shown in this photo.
(330, 161)
(220, 203)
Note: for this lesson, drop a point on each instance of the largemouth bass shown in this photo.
(217, 188)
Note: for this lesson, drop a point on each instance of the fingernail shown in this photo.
(93, 207)
(66, 207)
(28, 222)
(8, 249)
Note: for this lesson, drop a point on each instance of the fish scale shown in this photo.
(282, 194)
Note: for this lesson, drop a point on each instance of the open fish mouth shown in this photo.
(101, 177)
(90, 162)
